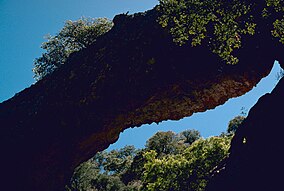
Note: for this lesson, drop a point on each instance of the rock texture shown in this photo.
(131, 76)
(256, 159)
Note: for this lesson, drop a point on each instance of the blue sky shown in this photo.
(24, 23)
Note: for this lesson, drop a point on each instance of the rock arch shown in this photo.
(132, 75)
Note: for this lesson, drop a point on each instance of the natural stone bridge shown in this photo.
(131, 76)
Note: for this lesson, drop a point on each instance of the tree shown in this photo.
(103, 171)
(234, 124)
(129, 169)
(189, 136)
(83, 176)
(118, 161)
(74, 36)
(163, 143)
(108, 183)
(189, 170)
(135, 171)
(221, 24)
(134, 185)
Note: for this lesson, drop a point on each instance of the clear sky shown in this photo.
(23, 23)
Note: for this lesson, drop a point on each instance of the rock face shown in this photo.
(131, 76)
(256, 159)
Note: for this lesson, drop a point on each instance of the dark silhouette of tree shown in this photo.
(234, 124)
(189, 136)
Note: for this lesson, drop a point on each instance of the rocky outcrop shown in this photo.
(131, 76)
(256, 159)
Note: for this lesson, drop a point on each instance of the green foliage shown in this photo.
(189, 136)
(163, 143)
(133, 186)
(221, 24)
(135, 171)
(105, 182)
(180, 162)
(83, 176)
(234, 124)
(278, 30)
(118, 161)
(103, 171)
(108, 183)
(74, 36)
(189, 170)
(115, 162)
(278, 7)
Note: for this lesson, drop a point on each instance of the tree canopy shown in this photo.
(189, 170)
(170, 161)
(103, 172)
(189, 136)
(219, 24)
(163, 143)
(74, 36)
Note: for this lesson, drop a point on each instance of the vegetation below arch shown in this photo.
(170, 161)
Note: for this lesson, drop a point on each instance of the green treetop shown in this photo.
(190, 170)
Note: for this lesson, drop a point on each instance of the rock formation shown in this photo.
(131, 76)
(256, 159)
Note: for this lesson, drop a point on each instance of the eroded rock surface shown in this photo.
(131, 76)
